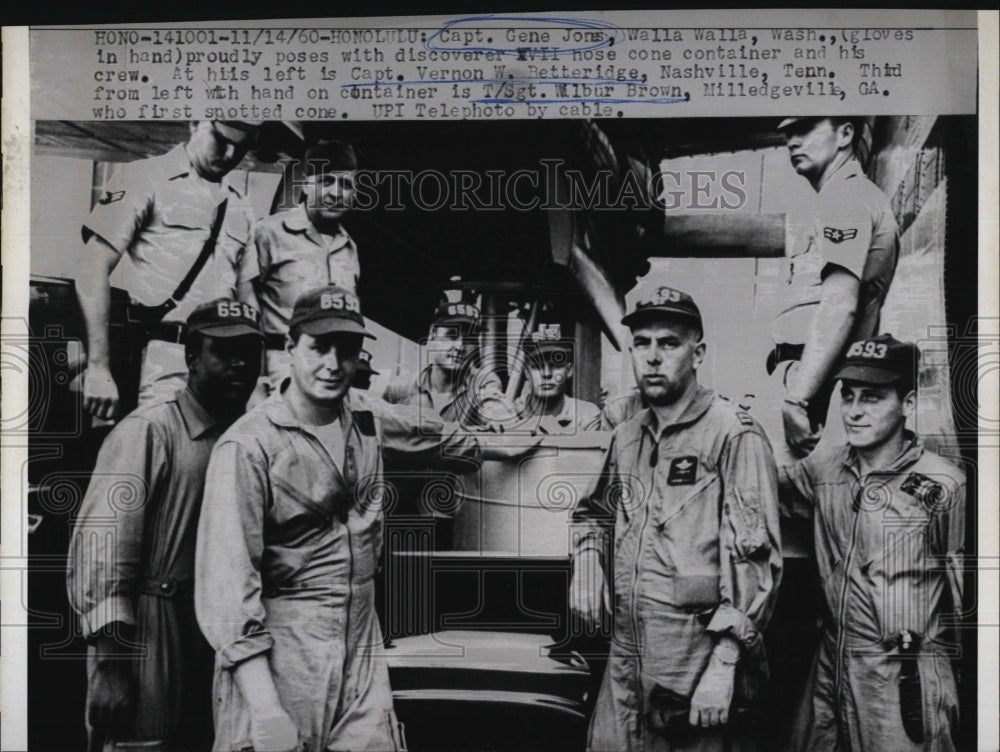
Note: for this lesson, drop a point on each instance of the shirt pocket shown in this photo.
(687, 522)
(234, 237)
(182, 217)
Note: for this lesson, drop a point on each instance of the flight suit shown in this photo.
(157, 214)
(617, 410)
(295, 578)
(132, 560)
(889, 549)
(696, 554)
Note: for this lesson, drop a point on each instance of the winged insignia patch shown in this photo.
(110, 197)
(835, 235)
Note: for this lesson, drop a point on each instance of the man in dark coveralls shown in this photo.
(131, 562)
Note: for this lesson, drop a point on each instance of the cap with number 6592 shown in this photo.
(328, 309)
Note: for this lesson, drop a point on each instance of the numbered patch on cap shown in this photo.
(234, 309)
(663, 296)
(462, 309)
(836, 235)
(547, 332)
(339, 301)
(868, 349)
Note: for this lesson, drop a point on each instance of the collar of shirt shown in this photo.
(298, 221)
(278, 411)
(527, 408)
(701, 402)
(197, 419)
(851, 168)
(912, 451)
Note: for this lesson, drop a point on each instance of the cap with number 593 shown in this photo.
(328, 309)
(663, 302)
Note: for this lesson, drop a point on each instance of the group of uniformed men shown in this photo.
(261, 531)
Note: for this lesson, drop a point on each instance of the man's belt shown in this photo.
(168, 332)
(781, 353)
(274, 341)
(165, 587)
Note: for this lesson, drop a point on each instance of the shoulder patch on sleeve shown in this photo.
(837, 235)
(929, 493)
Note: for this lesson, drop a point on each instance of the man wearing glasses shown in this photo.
(176, 233)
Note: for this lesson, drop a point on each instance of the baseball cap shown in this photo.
(224, 317)
(239, 131)
(329, 156)
(365, 363)
(323, 310)
(664, 302)
(880, 360)
(548, 338)
(464, 315)
(790, 121)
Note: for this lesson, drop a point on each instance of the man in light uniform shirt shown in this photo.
(151, 224)
(549, 361)
(306, 246)
(841, 270)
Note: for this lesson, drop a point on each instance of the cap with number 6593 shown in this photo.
(328, 309)
(880, 360)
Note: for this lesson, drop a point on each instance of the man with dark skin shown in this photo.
(150, 224)
(131, 570)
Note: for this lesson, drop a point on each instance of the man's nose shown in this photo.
(230, 151)
(654, 355)
(332, 359)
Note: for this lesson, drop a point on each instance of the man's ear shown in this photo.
(699, 354)
(909, 403)
(845, 134)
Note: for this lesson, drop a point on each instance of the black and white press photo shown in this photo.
(581, 382)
